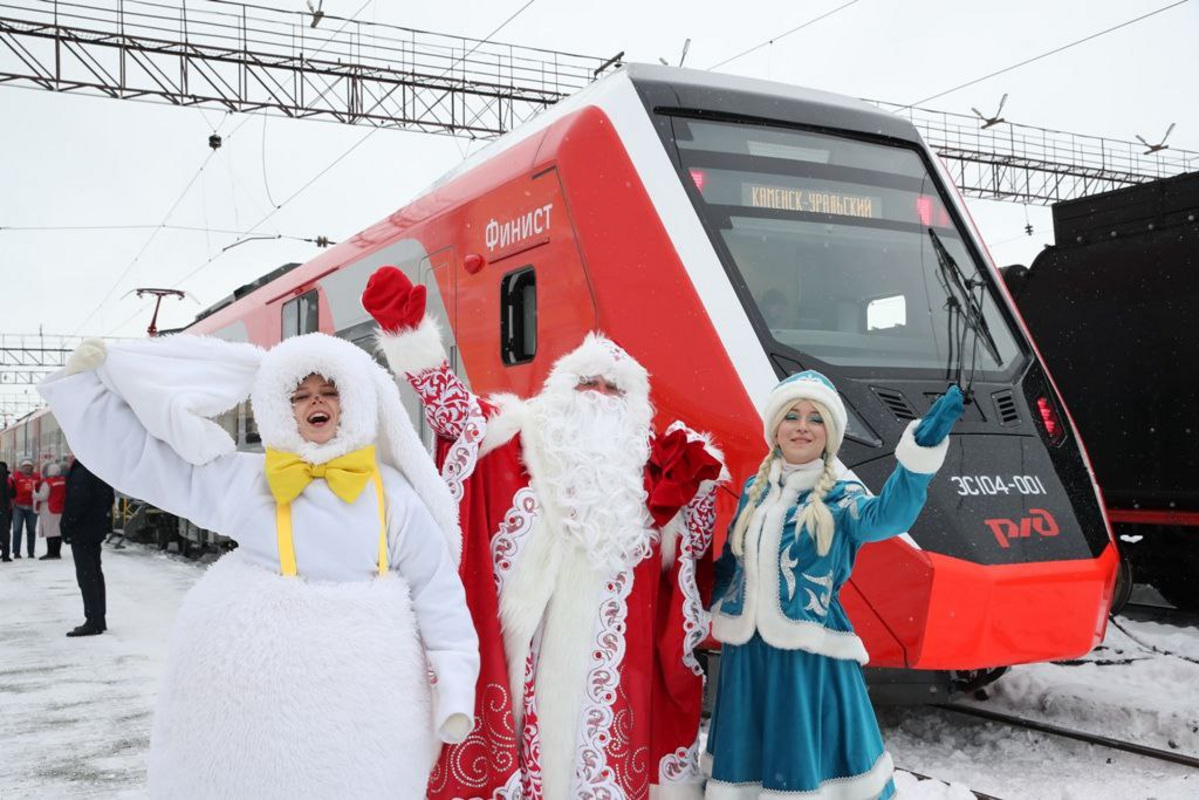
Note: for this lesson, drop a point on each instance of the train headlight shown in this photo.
(1050, 421)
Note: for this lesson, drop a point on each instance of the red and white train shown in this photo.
(729, 232)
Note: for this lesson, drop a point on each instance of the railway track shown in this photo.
(1159, 612)
(923, 777)
(1066, 733)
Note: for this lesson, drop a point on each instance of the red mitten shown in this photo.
(676, 468)
(393, 301)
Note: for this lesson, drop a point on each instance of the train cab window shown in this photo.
(883, 313)
(518, 316)
(300, 315)
(847, 248)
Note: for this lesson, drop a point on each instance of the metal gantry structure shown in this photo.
(247, 58)
(1038, 166)
(240, 57)
(24, 360)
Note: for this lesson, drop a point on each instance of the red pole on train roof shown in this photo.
(159, 294)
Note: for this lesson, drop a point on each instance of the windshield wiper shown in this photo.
(959, 288)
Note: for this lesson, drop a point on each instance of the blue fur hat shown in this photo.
(806, 385)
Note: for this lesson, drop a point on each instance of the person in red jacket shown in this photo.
(24, 515)
(51, 495)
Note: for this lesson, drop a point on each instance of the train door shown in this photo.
(436, 272)
(438, 275)
(522, 296)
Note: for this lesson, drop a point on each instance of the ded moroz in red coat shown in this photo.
(635, 708)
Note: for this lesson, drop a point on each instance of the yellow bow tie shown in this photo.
(288, 475)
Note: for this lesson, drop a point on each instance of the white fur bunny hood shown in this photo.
(176, 384)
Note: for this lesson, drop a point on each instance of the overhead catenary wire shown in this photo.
(1054, 51)
(150, 239)
(465, 152)
(253, 228)
(145, 245)
(774, 39)
(337, 160)
(140, 310)
(265, 183)
(84, 228)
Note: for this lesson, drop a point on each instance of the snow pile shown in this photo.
(1125, 691)
(1021, 765)
(1143, 696)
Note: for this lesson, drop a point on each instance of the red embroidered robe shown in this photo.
(640, 709)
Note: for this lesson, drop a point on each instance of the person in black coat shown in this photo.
(6, 495)
(86, 521)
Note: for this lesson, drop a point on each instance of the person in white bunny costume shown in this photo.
(301, 663)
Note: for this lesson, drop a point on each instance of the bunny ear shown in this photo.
(176, 384)
(400, 446)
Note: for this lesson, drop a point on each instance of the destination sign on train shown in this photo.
(788, 198)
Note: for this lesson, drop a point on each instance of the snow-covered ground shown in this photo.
(75, 713)
(1135, 695)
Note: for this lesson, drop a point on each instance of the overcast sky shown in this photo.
(70, 160)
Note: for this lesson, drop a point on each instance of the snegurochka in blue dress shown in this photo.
(792, 715)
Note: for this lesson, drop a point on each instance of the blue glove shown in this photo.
(939, 420)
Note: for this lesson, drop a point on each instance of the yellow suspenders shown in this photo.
(287, 545)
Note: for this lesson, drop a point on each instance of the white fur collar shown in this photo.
(511, 417)
(800, 479)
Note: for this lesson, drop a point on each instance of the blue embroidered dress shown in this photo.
(792, 714)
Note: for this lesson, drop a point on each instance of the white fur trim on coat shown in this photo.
(761, 610)
(924, 460)
(415, 350)
(527, 590)
(672, 531)
(866, 786)
(689, 791)
(511, 417)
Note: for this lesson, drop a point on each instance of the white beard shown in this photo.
(594, 448)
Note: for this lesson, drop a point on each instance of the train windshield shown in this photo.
(845, 248)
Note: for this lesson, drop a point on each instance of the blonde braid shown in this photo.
(816, 514)
(741, 525)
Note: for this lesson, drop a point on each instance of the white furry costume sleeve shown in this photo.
(420, 555)
(107, 436)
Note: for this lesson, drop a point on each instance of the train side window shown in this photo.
(518, 316)
(300, 315)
